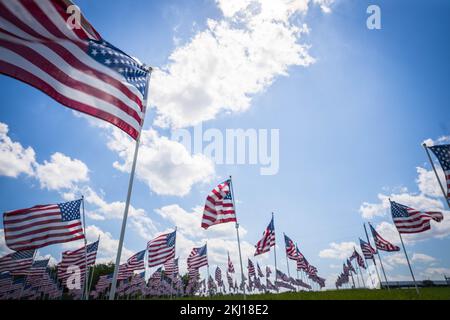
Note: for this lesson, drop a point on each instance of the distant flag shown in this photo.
(218, 276)
(281, 275)
(43, 225)
(260, 273)
(77, 258)
(230, 264)
(268, 271)
(350, 266)
(124, 272)
(367, 249)
(382, 244)
(17, 263)
(161, 249)
(442, 152)
(219, 207)
(171, 267)
(38, 267)
(136, 261)
(230, 281)
(358, 258)
(267, 241)
(409, 220)
(77, 67)
(291, 251)
(198, 258)
(251, 268)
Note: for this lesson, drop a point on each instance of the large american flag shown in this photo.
(219, 207)
(230, 264)
(367, 249)
(267, 241)
(43, 225)
(442, 152)
(136, 261)
(409, 220)
(161, 249)
(381, 243)
(17, 263)
(77, 67)
(80, 258)
(198, 258)
(291, 251)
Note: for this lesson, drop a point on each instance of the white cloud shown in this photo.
(422, 258)
(14, 158)
(436, 273)
(235, 58)
(52, 261)
(61, 172)
(164, 165)
(441, 140)
(427, 182)
(325, 5)
(341, 250)
(3, 248)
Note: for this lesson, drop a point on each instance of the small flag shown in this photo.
(268, 271)
(251, 269)
(77, 258)
(136, 261)
(198, 258)
(219, 207)
(267, 241)
(409, 220)
(161, 249)
(260, 273)
(382, 244)
(442, 152)
(290, 248)
(17, 263)
(230, 265)
(367, 249)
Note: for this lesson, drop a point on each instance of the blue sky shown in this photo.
(352, 106)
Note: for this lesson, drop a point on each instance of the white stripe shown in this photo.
(11, 216)
(410, 229)
(50, 233)
(13, 58)
(9, 233)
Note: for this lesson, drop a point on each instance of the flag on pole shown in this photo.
(251, 268)
(43, 225)
(17, 263)
(198, 258)
(350, 266)
(38, 268)
(218, 276)
(409, 220)
(382, 244)
(136, 261)
(268, 271)
(442, 152)
(219, 207)
(77, 258)
(267, 241)
(161, 249)
(367, 249)
(171, 267)
(291, 251)
(76, 67)
(260, 273)
(230, 265)
(358, 258)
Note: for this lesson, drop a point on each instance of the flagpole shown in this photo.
(287, 260)
(237, 235)
(86, 271)
(409, 265)
(437, 176)
(275, 246)
(373, 257)
(112, 292)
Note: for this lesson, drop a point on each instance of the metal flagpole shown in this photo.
(275, 246)
(112, 292)
(287, 260)
(86, 271)
(382, 269)
(237, 235)
(437, 176)
(409, 265)
(373, 257)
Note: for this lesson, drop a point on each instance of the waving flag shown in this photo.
(218, 276)
(77, 258)
(198, 258)
(268, 271)
(77, 68)
(230, 281)
(43, 225)
(251, 268)
(367, 249)
(230, 265)
(358, 258)
(161, 249)
(408, 220)
(291, 251)
(267, 241)
(136, 261)
(281, 275)
(350, 266)
(17, 263)
(442, 152)
(219, 207)
(260, 273)
(382, 244)
(38, 267)
(171, 267)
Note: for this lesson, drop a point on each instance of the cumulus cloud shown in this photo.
(14, 158)
(436, 273)
(325, 5)
(441, 140)
(427, 182)
(422, 258)
(341, 250)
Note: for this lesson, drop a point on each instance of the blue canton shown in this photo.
(442, 152)
(70, 210)
(202, 251)
(40, 264)
(92, 247)
(20, 255)
(140, 255)
(106, 54)
(398, 210)
(171, 239)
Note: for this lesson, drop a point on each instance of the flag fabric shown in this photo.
(124, 272)
(358, 258)
(161, 249)
(38, 268)
(17, 263)
(281, 275)
(291, 251)
(171, 267)
(218, 276)
(251, 268)
(198, 258)
(42, 225)
(77, 258)
(260, 273)
(230, 265)
(136, 261)
(442, 152)
(268, 271)
(350, 266)
(382, 244)
(77, 68)
(219, 206)
(367, 249)
(267, 241)
(409, 220)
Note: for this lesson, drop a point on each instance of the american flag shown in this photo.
(17, 263)
(409, 220)
(38, 268)
(77, 68)
(198, 258)
(230, 265)
(382, 244)
(281, 275)
(358, 258)
(136, 261)
(267, 241)
(77, 258)
(251, 268)
(43, 225)
(218, 276)
(367, 249)
(124, 272)
(161, 249)
(291, 251)
(442, 152)
(258, 268)
(219, 207)
(171, 267)
(268, 271)
(350, 266)
(230, 281)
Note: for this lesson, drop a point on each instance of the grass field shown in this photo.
(359, 294)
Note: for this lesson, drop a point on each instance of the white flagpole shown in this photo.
(275, 246)
(409, 265)
(86, 271)
(437, 176)
(287, 260)
(112, 292)
(373, 257)
(238, 240)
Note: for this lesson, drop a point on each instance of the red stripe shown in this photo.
(32, 217)
(24, 234)
(32, 209)
(49, 243)
(27, 77)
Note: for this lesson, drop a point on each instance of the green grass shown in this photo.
(358, 294)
